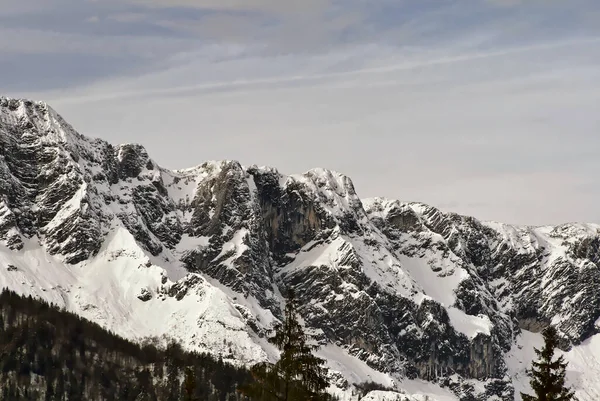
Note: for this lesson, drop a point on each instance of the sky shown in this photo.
(483, 107)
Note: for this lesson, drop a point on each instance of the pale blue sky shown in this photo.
(484, 107)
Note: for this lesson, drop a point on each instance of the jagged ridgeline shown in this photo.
(391, 290)
(50, 354)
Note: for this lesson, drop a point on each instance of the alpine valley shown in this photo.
(424, 302)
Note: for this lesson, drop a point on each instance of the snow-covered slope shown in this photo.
(399, 293)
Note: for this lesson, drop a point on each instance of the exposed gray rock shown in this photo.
(145, 295)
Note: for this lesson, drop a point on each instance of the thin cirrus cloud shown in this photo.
(484, 107)
(266, 6)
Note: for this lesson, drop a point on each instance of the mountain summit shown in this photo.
(397, 293)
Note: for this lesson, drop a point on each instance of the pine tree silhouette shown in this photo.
(189, 385)
(547, 376)
(298, 375)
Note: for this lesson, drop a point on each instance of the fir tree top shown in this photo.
(547, 376)
(298, 375)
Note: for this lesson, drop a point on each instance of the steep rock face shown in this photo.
(226, 213)
(66, 189)
(541, 275)
(558, 283)
(291, 218)
(43, 183)
(535, 275)
(404, 288)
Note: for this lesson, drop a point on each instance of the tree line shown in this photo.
(49, 354)
(52, 355)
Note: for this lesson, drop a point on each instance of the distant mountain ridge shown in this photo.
(395, 292)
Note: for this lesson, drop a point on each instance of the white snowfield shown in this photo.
(105, 290)
(127, 290)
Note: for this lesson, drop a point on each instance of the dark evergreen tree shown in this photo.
(60, 385)
(298, 375)
(172, 388)
(49, 390)
(189, 385)
(547, 375)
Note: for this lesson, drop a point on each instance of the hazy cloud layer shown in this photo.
(484, 107)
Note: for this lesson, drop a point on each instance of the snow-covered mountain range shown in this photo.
(428, 302)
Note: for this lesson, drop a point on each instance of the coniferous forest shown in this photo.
(52, 355)
(48, 354)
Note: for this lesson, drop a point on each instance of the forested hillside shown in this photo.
(49, 354)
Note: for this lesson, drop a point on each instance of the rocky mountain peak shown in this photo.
(132, 159)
